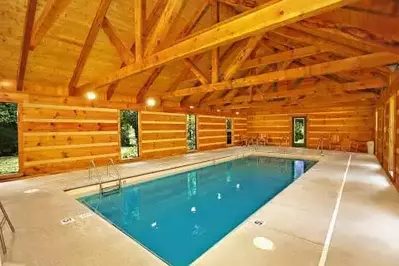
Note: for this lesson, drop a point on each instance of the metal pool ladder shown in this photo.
(320, 145)
(3, 221)
(111, 175)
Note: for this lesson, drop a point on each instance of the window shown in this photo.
(299, 131)
(229, 131)
(129, 134)
(8, 138)
(191, 132)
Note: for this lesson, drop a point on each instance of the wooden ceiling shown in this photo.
(225, 54)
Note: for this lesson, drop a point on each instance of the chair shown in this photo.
(335, 142)
(354, 146)
(242, 140)
(284, 141)
(3, 221)
(262, 139)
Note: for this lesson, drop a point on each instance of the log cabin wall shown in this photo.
(162, 134)
(351, 124)
(272, 126)
(240, 128)
(211, 132)
(387, 130)
(59, 138)
(60, 134)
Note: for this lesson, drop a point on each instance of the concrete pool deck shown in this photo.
(309, 223)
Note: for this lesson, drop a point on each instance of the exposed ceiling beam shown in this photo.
(241, 5)
(373, 29)
(194, 21)
(86, 49)
(356, 38)
(283, 56)
(320, 87)
(124, 53)
(51, 12)
(139, 17)
(164, 24)
(310, 99)
(196, 71)
(143, 91)
(23, 60)
(215, 52)
(186, 31)
(244, 25)
(147, 27)
(353, 63)
(241, 57)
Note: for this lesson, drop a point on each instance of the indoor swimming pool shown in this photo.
(181, 216)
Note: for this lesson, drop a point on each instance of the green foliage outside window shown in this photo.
(129, 134)
(8, 138)
(191, 132)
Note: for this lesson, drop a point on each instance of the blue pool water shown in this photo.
(181, 216)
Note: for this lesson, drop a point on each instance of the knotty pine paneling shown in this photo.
(211, 132)
(162, 134)
(380, 133)
(272, 126)
(351, 125)
(240, 128)
(58, 138)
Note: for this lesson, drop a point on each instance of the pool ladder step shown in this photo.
(106, 181)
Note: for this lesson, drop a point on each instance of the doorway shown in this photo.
(9, 160)
(299, 131)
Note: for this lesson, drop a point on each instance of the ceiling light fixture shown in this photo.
(151, 102)
(91, 96)
(191, 107)
(237, 113)
(218, 110)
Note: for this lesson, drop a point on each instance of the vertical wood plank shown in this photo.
(139, 13)
(29, 20)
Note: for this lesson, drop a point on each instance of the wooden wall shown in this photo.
(211, 132)
(60, 136)
(272, 126)
(356, 124)
(162, 134)
(57, 138)
(240, 128)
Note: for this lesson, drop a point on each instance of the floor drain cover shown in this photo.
(67, 221)
(258, 222)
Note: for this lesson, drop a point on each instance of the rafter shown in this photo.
(349, 38)
(143, 91)
(363, 27)
(353, 63)
(196, 71)
(309, 100)
(283, 56)
(241, 57)
(323, 87)
(90, 39)
(164, 24)
(186, 31)
(194, 21)
(124, 53)
(249, 23)
(215, 52)
(147, 27)
(51, 12)
(241, 5)
(29, 20)
(139, 16)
